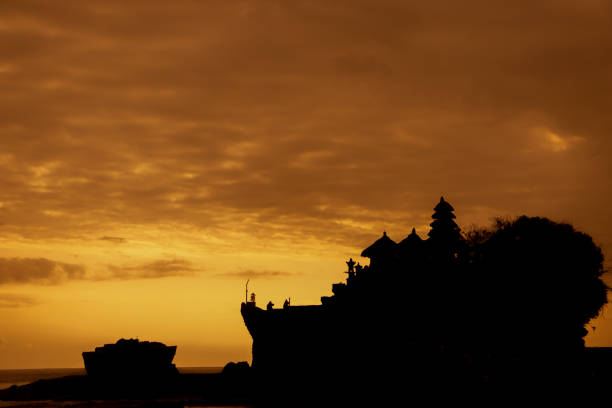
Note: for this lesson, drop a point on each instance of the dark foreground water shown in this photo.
(9, 378)
(26, 376)
(106, 404)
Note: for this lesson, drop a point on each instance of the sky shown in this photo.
(155, 155)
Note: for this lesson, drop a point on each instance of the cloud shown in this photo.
(553, 141)
(48, 272)
(370, 110)
(38, 271)
(251, 274)
(157, 269)
(117, 240)
(9, 300)
(314, 125)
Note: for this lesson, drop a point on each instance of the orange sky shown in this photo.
(155, 155)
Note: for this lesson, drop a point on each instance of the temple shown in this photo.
(378, 314)
(427, 309)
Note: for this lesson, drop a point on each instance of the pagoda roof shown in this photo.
(439, 215)
(411, 240)
(382, 245)
(443, 206)
(444, 223)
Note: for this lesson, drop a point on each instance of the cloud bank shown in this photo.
(11, 300)
(47, 272)
(38, 270)
(157, 269)
(312, 120)
(116, 240)
(261, 274)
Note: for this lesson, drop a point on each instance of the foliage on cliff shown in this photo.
(538, 276)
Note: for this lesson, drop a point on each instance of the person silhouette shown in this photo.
(351, 265)
(270, 305)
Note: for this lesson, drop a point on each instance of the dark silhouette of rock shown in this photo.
(130, 359)
(498, 309)
(241, 368)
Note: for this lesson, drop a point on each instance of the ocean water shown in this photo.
(26, 376)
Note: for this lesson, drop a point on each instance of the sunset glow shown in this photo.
(155, 155)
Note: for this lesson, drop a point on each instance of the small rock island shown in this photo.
(130, 359)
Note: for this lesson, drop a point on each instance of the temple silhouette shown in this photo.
(495, 314)
(446, 311)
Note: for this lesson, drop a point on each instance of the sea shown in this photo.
(9, 378)
(26, 376)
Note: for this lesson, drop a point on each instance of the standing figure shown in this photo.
(351, 265)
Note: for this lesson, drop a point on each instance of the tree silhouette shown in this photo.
(541, 279)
